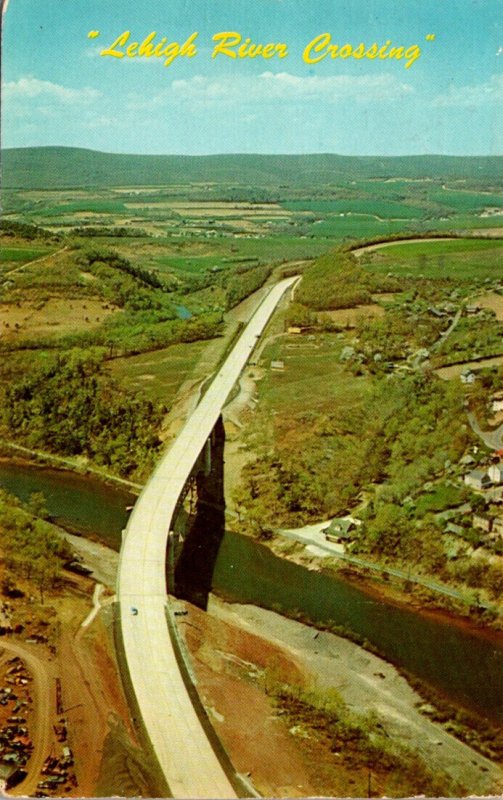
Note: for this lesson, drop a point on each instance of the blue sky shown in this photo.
(59, 90)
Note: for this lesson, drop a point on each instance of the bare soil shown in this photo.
(73, 692)
(455, 370)
(493, 301)
(58, 316)
(239, 652)
(349, 317)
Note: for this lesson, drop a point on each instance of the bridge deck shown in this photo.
(185, 755)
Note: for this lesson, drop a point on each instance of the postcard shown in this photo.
(251, 398)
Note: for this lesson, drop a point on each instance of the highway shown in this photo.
(184, 753)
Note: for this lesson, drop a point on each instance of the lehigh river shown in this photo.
(464, 665)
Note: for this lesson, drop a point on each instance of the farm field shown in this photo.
(158, 375)
(13, 257)
(311, 369)
(463, 259)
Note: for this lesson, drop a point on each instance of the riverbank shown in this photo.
(425, 596)
(239, 651)
(225, 643)
(78, 465)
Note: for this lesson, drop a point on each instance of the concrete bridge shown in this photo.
(189, 762)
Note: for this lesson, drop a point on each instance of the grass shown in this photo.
(361, 743)
(442, 247)
(158, 375)
(442, 497)
(21, 255)
(82, 206)
(466, 201)
(460, 259)
(362, 227)
(313, 378)
(374, 207)
(191, 264)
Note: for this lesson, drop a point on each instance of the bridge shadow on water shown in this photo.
(193, 572)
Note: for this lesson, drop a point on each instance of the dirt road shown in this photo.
(43, 696)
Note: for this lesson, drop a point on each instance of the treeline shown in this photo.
(30, 547)
(404, 235)
(243, 282)
(71, 406)
(119, 232)
(10, 228)
(398, 436)
(334, 280)
(94, 259)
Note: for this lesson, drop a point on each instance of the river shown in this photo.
(464, 666)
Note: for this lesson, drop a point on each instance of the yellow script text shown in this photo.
(148, 49)
(230, 43)
(321, 47)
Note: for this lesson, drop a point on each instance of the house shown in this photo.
(339, 530)
(467, 376)
(457, 530)
(477, 479)
(482, 522)
(495, 472)
(454, 546)
(497, 403)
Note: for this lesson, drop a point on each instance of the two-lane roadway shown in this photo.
(184, 753)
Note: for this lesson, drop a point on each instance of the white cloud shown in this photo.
(30, 88)
(202, 91)
(272, 87)
(488, 93)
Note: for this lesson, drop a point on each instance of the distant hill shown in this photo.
(66, 167)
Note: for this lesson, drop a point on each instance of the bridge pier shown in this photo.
(193, 570)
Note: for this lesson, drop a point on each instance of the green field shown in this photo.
(16, 256)
(462, 259)
(381, 208)
(158, 375)
(313, 377)
(86, 206)
(466, 201)
(363, 227)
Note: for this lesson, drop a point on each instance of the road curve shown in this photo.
(185, 755)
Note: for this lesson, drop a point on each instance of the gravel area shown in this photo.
(368, 683)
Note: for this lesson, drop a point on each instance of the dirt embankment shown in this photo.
(238, 651)
(67, 692)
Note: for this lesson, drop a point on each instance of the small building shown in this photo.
(472, 309)
(497, 403)
(454, 546)
(482, 522)
(279, 366)
(294, 330)
(467, 376)
(437, 312)
(457, 530)
(339, 530)
(495, 472)
(477, 479)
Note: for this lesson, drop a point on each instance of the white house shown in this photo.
(477, 479)
(495, 472)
